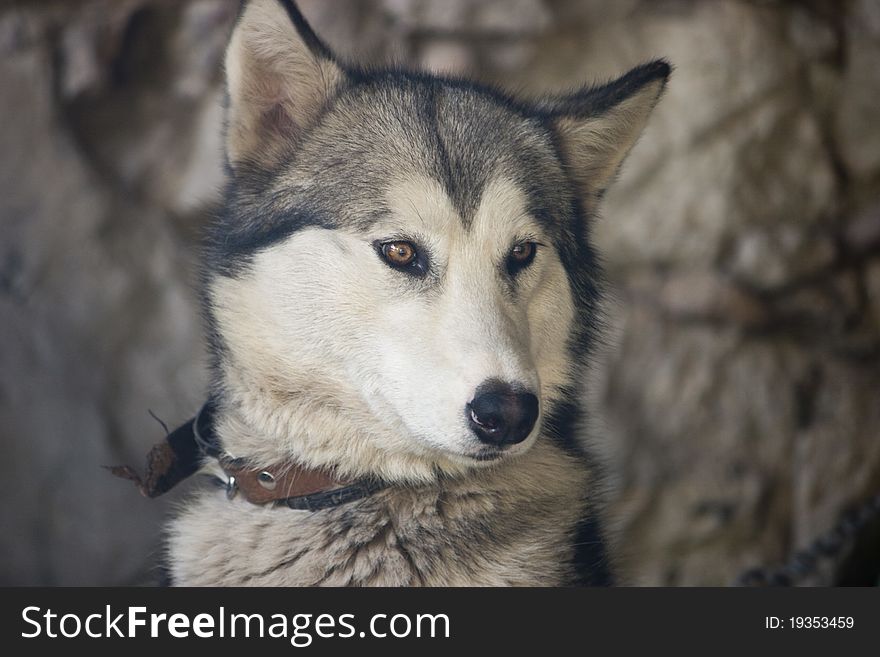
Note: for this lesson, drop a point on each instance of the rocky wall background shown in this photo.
(738, 403)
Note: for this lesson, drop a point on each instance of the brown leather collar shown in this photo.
(277, 482)
(183, 451)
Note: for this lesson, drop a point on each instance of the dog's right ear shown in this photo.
(279, 75)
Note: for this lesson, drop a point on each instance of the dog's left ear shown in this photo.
(597, 126)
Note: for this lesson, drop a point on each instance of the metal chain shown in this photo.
(806, 562)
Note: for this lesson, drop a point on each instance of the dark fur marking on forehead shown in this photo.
(465, 162)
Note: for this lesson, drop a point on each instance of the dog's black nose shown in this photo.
(500, 415)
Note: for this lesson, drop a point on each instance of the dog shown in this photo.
(401, 300)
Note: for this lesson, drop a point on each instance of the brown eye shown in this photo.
(523, 252)
(403, 256)
(399, 254)
(520, 257)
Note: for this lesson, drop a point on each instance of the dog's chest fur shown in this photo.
(511, 525)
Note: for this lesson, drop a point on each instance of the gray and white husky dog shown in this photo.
(401, 290)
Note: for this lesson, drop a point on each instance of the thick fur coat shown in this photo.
(334, 352)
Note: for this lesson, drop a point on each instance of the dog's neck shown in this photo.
(321, 434)
(512, 524)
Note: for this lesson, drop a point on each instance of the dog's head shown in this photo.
(401, 282)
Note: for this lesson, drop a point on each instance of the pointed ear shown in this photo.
(279, 75)
(597, 126)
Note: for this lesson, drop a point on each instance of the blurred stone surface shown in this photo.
(461, 17)
(736, 403)
(860, 94)
(99, 319)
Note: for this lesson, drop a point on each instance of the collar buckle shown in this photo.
(231, 488)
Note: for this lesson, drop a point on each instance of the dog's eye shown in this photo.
(399, 254)
(523, 252)
(521, 256)
(402, 255)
